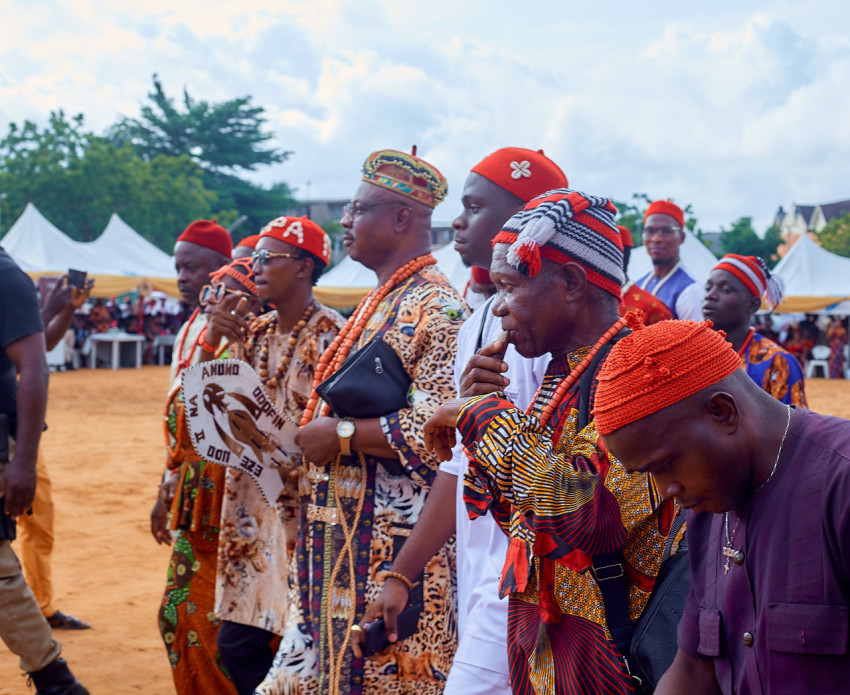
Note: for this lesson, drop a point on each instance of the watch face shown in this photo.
(345, 429)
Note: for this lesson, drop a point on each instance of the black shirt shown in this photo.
(19, 317)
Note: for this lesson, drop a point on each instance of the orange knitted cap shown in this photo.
(657, 366)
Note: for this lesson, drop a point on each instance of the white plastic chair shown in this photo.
(820, 358)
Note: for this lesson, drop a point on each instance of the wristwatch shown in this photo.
(345, 431)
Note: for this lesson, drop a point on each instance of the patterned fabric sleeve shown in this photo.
(426, 343)
(562, 496)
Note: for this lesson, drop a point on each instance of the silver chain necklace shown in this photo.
(728, 551)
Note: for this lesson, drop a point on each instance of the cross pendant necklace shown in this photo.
(730, 553)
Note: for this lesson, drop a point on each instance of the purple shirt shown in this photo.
(778, 623)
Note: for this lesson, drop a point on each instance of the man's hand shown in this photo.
(79, 295)
(18, 485)
(390, 603)
(227, 320)
(159, 513)
(57, 299)
(485, 371)
(318, 440)
(440, 434)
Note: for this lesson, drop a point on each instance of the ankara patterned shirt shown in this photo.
(774, 369)
(562, 500)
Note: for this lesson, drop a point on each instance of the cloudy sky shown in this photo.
(734, 107)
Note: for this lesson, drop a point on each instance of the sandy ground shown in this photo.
(104, 451)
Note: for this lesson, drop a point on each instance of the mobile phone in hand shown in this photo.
(76, 278)
(376, 631)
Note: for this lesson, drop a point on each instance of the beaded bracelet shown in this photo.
(404, 580)
(205, 346)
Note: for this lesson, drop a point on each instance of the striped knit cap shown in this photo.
(566, 225)
(753, 272)
(659, 365)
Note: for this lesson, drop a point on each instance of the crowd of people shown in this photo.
(479, 501)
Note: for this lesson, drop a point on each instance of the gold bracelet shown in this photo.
(404, 580)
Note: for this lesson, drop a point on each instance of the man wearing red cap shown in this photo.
(192, 489)
(567, 506)
(663, 234)
(733, 295)
(496, 188)
(634, 298)
(365, 468)
(283, 346)
(768, 489)
(246, 246)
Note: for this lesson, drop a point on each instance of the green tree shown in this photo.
(78, 179)
(742, 239)
(835, 237)
(225, 140)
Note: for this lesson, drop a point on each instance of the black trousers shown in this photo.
(246, 652)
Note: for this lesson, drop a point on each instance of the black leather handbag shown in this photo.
(653, 645)
(370, 384)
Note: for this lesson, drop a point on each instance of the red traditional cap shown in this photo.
(406, 174)
(626, 235)
(241, 270)
(525, 173)
(210, 235)
(753, 272)
(656, 366)
(249, 241)
(665, 207)
(302, 233)
(566, 225)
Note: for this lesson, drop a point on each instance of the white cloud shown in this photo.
(731, 109)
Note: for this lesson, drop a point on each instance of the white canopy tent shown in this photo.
(345, 284)
(126, 252)
(816, 281)
(120, 259)
(696, 258)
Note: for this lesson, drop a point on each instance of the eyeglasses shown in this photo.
(661, 231)
(358, 209)
(213, 294)
(263, 256)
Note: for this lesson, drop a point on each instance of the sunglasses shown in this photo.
(263, 256)
(214, 293)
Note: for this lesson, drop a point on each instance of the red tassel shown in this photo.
(529, 255)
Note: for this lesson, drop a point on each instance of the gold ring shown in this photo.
(356, 628)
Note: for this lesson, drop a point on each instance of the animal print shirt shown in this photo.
(357, 513)
(256, 540)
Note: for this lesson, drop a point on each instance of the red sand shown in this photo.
(105, 454)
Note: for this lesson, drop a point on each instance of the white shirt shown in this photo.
(482, 545)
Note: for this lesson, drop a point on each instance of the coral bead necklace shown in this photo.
(338, 351)
(575, 374)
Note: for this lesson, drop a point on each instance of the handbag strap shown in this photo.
(485, 312)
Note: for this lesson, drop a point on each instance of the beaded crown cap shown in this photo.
(656, 366)
(406, 174)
